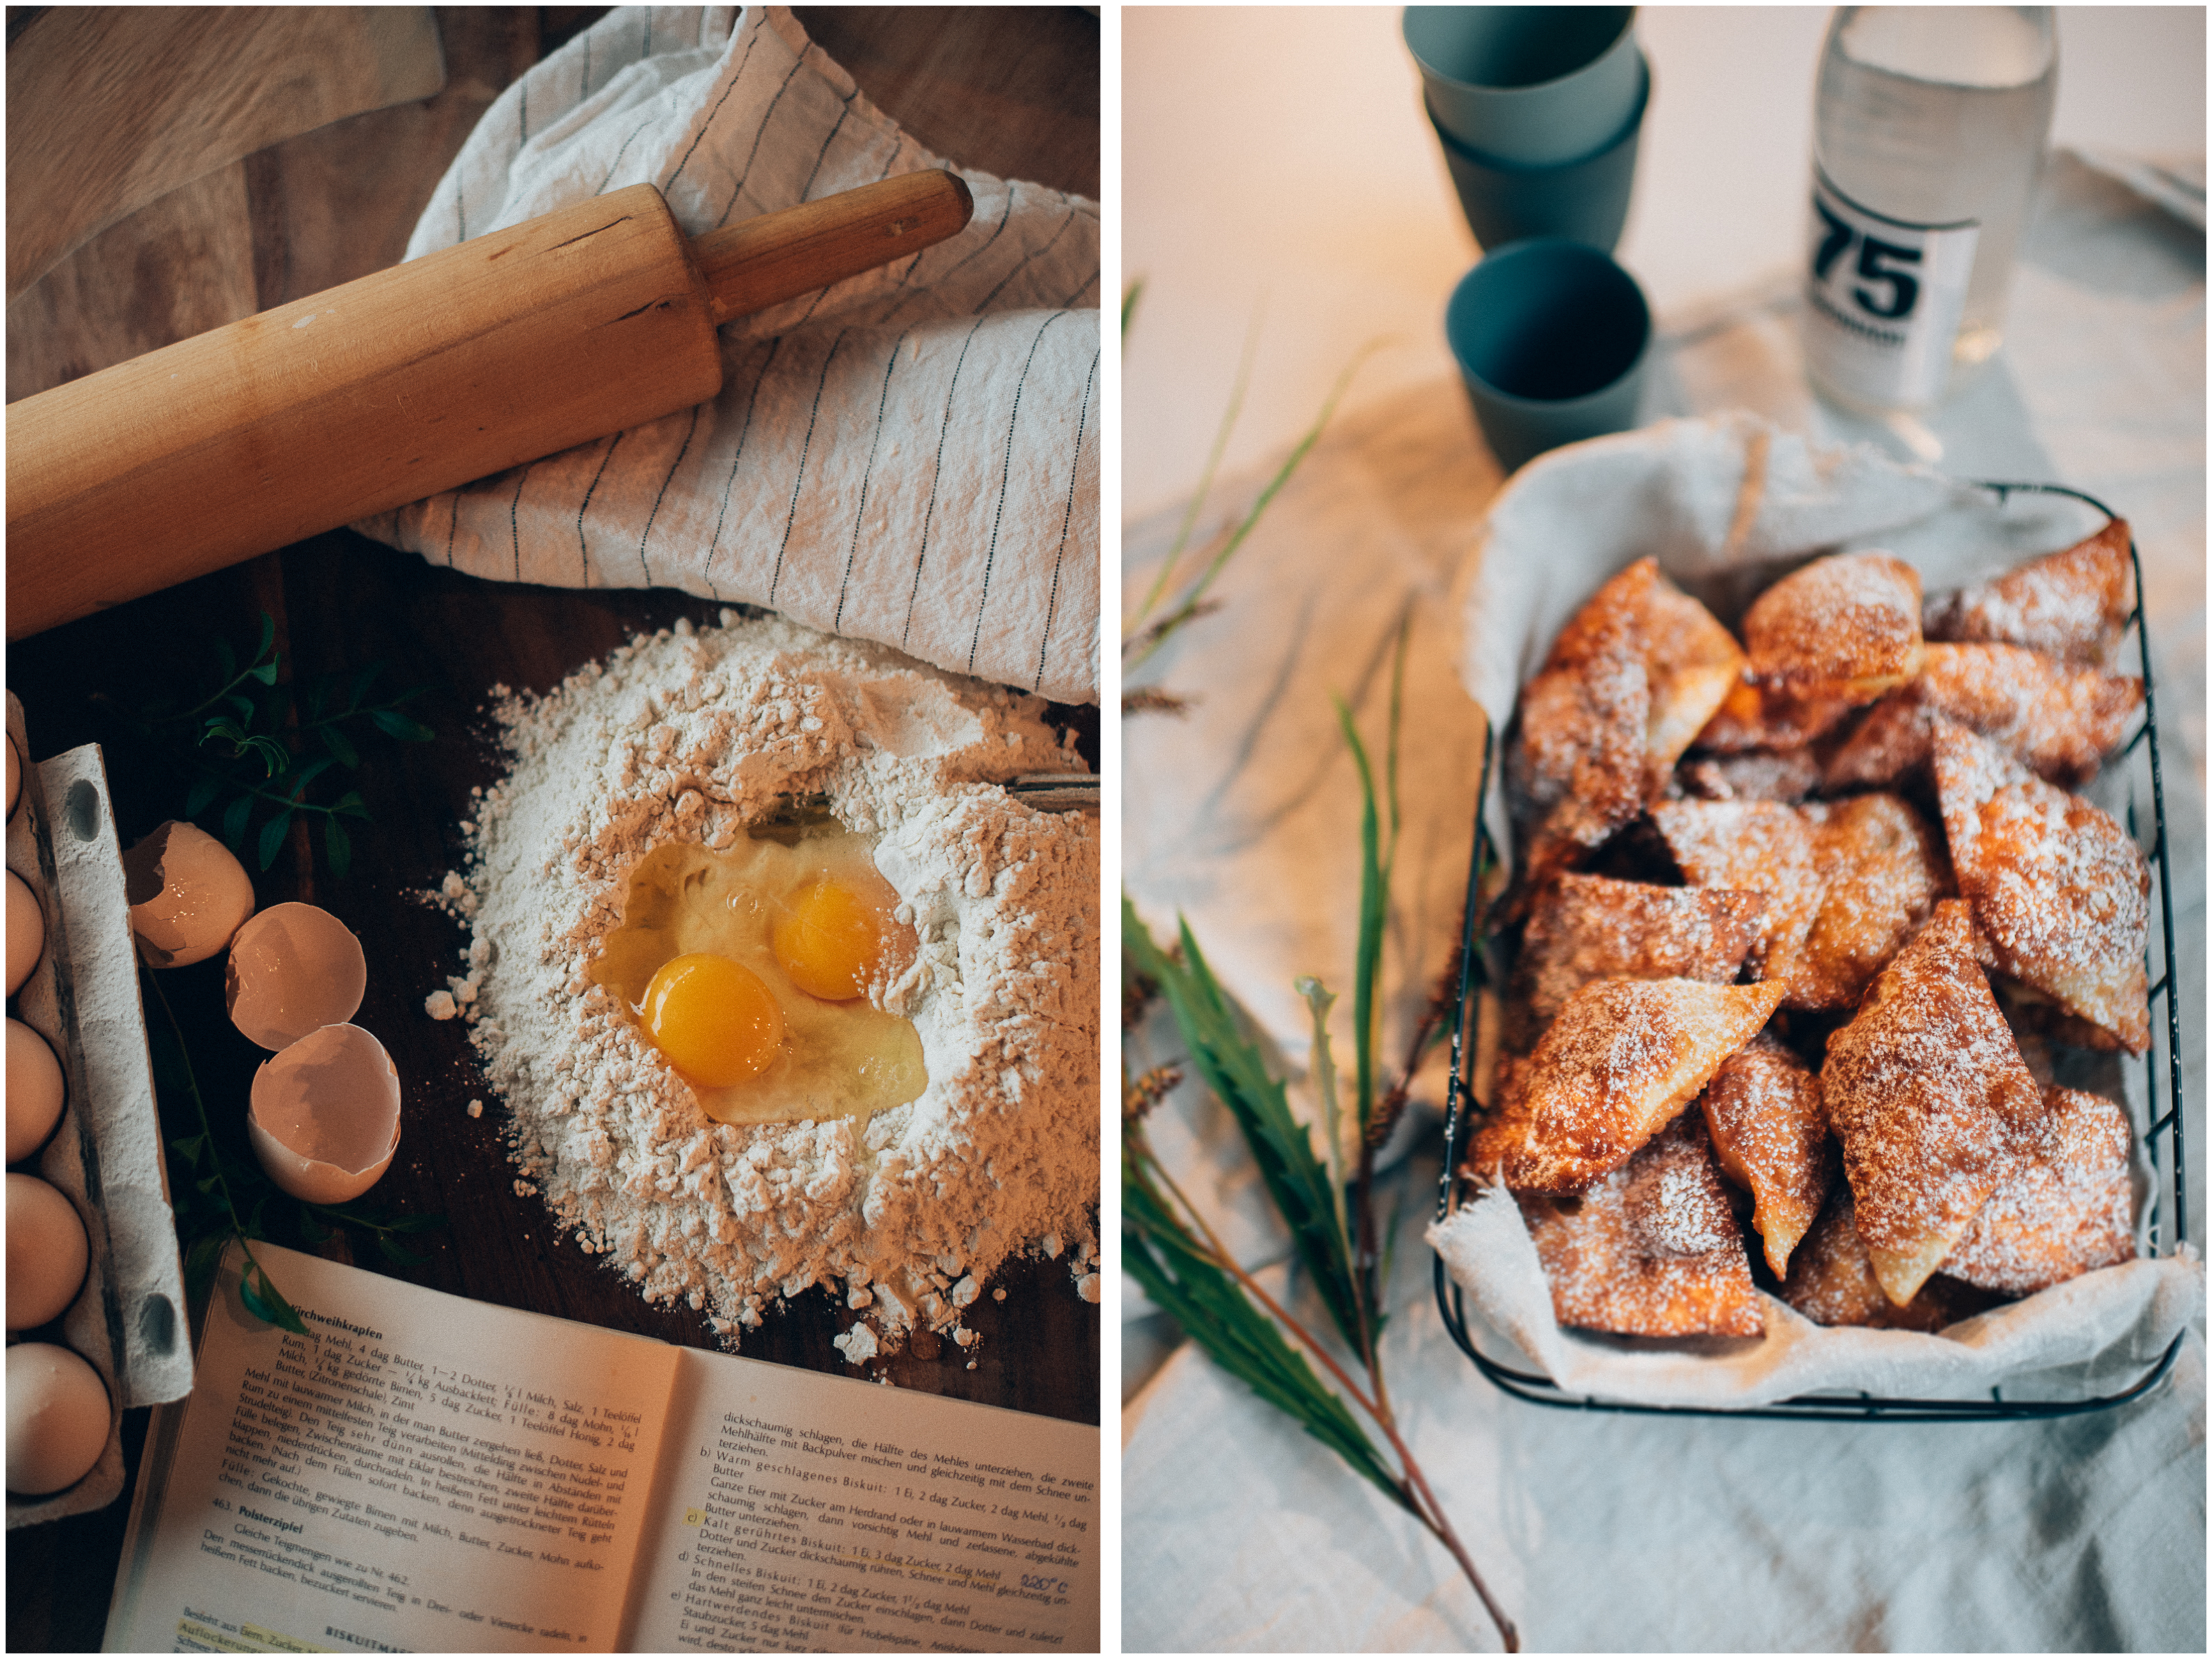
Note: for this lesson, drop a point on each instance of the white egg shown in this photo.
(27, 931)
(35, 1091)
(58, 1418)
(324, 1115)
(294, 968)
(47, 1252)
(188, 893)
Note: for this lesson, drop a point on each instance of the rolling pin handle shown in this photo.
(781, 256)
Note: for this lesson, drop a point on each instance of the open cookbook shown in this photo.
(426, 1473)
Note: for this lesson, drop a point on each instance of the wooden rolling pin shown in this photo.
(384, 391)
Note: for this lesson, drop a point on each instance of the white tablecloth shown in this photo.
(1608, 1532)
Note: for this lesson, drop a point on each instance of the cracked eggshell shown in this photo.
(324, 1115)
(27, 931)
(187, 892)
(294, 968)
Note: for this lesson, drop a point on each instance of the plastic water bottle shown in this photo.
(1929, 134)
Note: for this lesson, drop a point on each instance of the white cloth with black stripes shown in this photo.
(910, 456)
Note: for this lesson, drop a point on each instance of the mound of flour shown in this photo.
(684, 737)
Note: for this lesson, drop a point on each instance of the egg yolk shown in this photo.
(828, 941)
(715, 1020)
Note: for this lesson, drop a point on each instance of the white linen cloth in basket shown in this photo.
(910, 456)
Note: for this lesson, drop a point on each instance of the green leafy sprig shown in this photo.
(254, 752)
(1182, 1265)
(1143, 632)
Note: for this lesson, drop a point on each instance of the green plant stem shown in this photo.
(199, 1109)
(1159, 633)
(1419, 1499)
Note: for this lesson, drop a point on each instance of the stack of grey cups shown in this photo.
(1538, 110)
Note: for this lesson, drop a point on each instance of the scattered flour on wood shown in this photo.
(684, 737)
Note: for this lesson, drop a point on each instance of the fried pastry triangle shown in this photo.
(1622, 1060)
(1831, 1280)
(1928, 1095)
(1651, 1250)
(2072, 604)
(1575, 771)
(1883, 869)
(1754, 846)
(2059, 721)
(1846, 626)
(1760, 718)
(2064, 1210)
(1588, 927)
(2061, 892)
(1770, 1133)
(1692, 663)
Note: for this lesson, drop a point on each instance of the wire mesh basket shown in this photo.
(2166, 1221)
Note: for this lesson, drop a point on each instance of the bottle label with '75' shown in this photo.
(1883, 299)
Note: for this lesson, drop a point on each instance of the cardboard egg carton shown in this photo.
(128, 1321)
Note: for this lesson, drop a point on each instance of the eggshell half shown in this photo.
(47, 1252)
(188, 895)
(294, 968)
(324, 1115)
(35, 1091)
(57, 1418)
(27, 931)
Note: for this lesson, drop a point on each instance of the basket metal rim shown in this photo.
(1538, 1389)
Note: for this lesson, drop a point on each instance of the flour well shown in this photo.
(686, 737)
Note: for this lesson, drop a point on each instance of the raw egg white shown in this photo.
(27, 931)
(188, 895)
(294, 968)
(35, 1090)
(324, 1115)
(749, 967)
(58, 1418)
(47, 1252)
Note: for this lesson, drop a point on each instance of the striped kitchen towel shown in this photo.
(910, 456)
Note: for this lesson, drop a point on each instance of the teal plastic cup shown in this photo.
(1585, 199)
(1551, 338)
(1533, 86)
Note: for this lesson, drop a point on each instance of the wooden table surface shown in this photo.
(1012, 91)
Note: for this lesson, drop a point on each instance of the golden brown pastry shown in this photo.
(1928, 1095)
(1786, 775)
(2059, 721)
(1652, 1249)
(1587, 927)
(1757, 718)
(1501, 1130)
(2073, 604)
(1881, 869)
(1575, 772)
(2060, 891)
(1846, 626)
(1770, 1133)
(1831, 1280)
(1692, 663)
(1753, 847)
(1622, 1060)
(2065, 1208)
